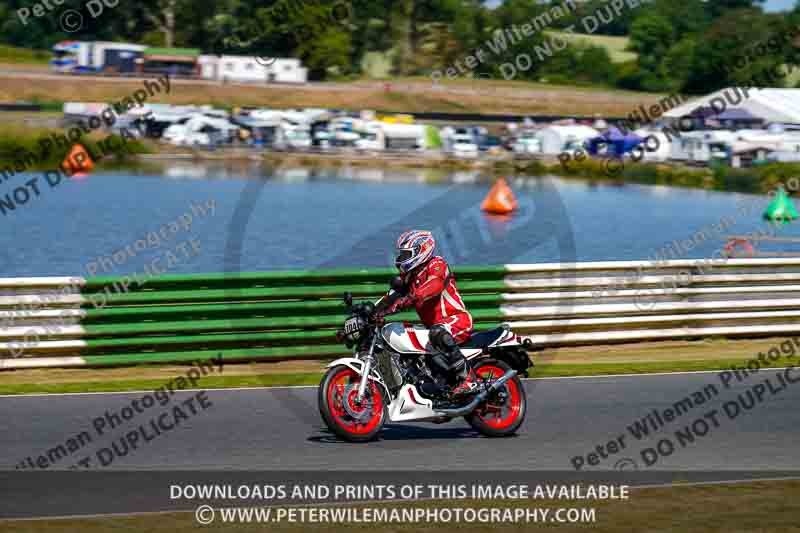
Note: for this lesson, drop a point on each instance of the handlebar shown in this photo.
(367, 308)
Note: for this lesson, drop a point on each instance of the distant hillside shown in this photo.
(615, 45)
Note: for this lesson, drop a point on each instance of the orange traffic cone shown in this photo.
(500, 200)
(78, 162)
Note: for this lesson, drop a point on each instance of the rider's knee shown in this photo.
(438, 335)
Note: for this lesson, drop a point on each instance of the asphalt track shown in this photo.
(280, 429)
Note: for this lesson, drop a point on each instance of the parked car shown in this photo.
(370, 140)
(527, 143)
(464, 146)
(490, 143)
(293, 137)
(179, 135)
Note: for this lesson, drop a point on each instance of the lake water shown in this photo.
(255, 219)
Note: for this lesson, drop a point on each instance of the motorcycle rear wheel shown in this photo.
(336, 398)
(504, 412)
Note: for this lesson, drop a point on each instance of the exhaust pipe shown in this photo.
(480, 398)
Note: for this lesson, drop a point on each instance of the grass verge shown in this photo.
(642, 358)
(24, 149)
(758, 507)
(401, 95)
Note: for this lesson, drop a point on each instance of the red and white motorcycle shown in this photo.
(405, 385)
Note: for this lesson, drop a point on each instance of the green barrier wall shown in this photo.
(247, 316)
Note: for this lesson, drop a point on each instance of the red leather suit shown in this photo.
(432, 290)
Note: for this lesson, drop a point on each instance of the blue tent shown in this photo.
(617, 142)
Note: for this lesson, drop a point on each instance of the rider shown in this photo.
(428, 284)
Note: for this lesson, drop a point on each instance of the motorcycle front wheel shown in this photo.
(344, 416)
(504, 411)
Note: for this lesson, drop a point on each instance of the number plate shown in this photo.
(351, 325)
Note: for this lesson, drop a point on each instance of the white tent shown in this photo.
(770, 105)
(200, 129)
(556, 139)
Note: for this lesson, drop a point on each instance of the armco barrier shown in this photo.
(65, 322)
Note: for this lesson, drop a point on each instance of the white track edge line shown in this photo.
(284, 387)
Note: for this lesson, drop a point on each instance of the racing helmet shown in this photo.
(414, 248)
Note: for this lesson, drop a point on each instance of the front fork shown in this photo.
(362, 386)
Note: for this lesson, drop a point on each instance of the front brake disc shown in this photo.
(365, 408)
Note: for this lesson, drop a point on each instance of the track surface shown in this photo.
(270, 429)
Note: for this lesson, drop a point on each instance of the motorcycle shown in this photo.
(404, 383)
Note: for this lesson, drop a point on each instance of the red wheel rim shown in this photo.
(336, 398)
(494, 414)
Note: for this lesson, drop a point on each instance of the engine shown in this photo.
(418, 372)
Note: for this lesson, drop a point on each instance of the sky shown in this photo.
(779, 5)
(770, 5)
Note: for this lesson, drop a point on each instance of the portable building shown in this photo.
(252, 69)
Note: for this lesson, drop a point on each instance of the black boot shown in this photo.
(446, 344)
(467, 382)
(459, 373)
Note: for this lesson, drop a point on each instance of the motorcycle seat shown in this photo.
(483, 339)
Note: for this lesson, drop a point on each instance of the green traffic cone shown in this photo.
(781, 208)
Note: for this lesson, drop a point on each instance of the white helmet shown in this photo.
(414, 248)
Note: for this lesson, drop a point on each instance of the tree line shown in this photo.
(687, 46)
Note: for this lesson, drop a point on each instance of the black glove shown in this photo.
(378, 318)
(398, 286)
